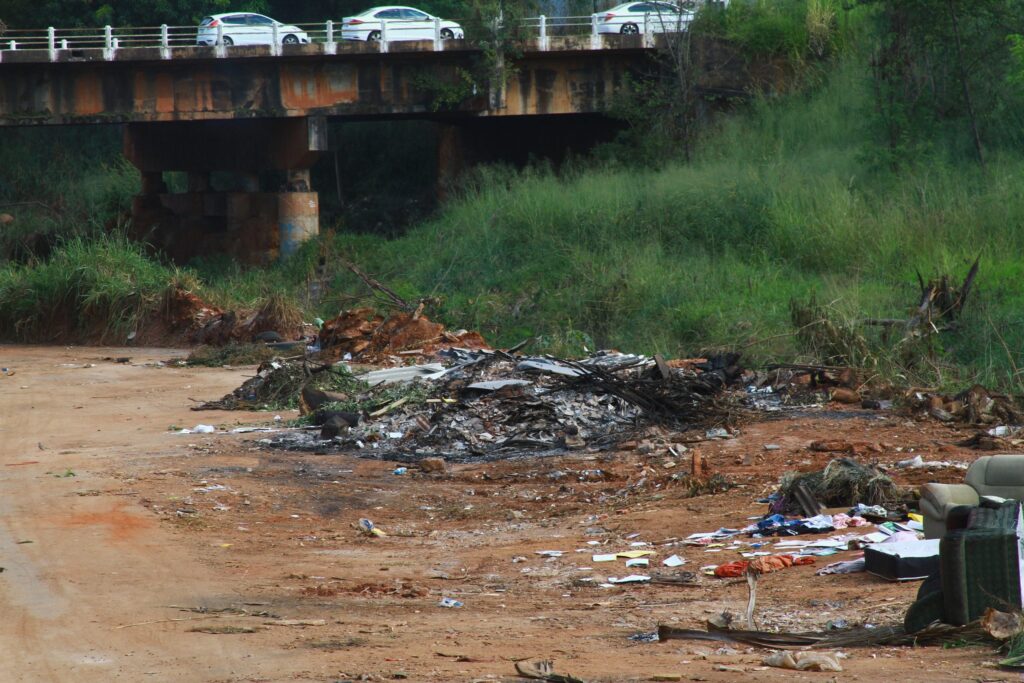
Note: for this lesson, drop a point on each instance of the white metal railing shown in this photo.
(224, 39)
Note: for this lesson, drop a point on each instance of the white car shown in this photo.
(644, 17)
(403, 23)
(247, 28)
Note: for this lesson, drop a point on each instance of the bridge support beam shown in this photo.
(248, 187)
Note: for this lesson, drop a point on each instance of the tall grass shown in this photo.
(100, 290)
(779, 204)
(60, 182)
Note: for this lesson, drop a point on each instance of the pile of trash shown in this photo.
(362, 334)
(274, 321)
(279, 384)
(975, 406)
(493, 403)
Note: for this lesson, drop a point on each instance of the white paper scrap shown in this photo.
(674, 561)
(632, 578)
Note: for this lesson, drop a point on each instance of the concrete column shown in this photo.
(298, 218)
(251, 225)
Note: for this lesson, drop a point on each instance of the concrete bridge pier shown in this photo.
(248, 189)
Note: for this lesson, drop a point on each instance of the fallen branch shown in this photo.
(378, 286)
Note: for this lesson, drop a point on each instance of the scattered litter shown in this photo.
(674, 561)
(549, 553)
(918, 462)
(297, 622)
(199, 429)
(638, 562)
(368, 528)
(632, 578)
(400, 470)
(449, 602)
(844, 567)
(761, 565)
(543, 671)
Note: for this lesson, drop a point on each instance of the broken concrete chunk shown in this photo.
(432, 465)
(804, 661)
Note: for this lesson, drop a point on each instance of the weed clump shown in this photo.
(843, 482)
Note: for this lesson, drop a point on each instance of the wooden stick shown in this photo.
(752, 600)
(165, 621)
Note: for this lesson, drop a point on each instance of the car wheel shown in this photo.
(290, 40)
(447, 34)
(630, 29)
(227, 41)
(373, 37)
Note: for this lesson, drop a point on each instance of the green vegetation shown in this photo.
(61, 182)
(102, 290)
(830, 199)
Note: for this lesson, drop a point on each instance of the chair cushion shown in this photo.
(998, 475)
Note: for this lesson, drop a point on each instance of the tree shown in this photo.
(939, 70)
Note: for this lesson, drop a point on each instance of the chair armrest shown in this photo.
(944, 496)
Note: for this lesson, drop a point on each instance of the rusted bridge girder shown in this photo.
(139, 87)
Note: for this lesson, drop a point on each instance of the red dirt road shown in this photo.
(119, 538)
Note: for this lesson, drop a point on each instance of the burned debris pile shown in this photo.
(478, 402)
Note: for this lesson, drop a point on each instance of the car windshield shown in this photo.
(260, 20)
(206, 21)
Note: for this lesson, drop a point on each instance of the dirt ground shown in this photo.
(119, 538)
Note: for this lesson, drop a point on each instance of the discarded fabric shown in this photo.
(763, 565)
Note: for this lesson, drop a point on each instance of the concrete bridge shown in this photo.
(254, 109)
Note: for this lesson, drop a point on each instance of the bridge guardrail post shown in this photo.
(648, 33)
(383, 35)
(51, 41)
(543, 33)
(595, 37)
(221, 49)
(165, 42)
(276, 47)
(108, 42)
(438, 43)
(330, 47)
